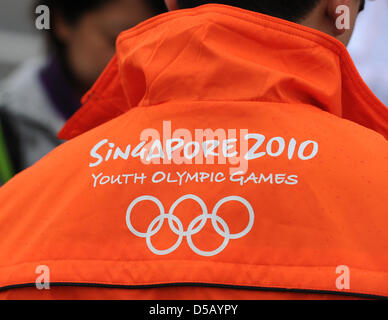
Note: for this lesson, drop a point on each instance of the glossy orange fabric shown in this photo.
(213, 67)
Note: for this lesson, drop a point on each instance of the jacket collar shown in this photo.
(222, 53)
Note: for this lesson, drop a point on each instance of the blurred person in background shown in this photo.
(369, 47)
(37, 99)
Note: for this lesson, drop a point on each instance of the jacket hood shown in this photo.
(222, 53)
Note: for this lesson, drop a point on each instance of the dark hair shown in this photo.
(71, 11)
(292, 10)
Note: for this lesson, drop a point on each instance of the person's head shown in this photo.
(322, 15)
(83, 32)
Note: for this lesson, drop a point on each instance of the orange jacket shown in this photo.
(284, 196)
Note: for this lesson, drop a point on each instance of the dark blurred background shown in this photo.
(20, 40)
(45, 73)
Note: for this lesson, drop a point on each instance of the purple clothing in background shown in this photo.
(57, 85)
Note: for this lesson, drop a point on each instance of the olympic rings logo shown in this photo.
(158, 222)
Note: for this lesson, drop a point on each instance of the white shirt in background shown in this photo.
(369, 47)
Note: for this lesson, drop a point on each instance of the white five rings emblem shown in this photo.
(192, 230)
